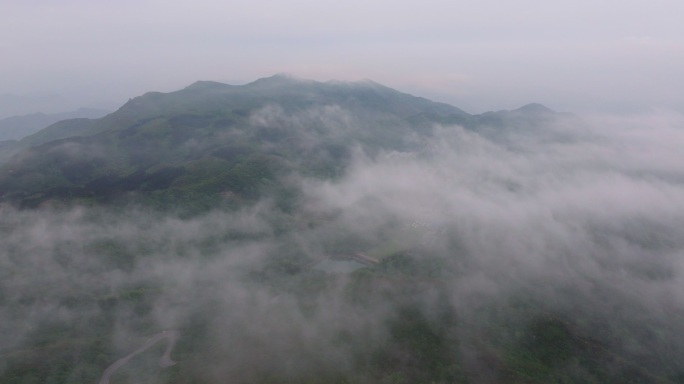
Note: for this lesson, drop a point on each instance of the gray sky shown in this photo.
(479, 55)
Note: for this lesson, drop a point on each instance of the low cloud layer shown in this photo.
(584, 217)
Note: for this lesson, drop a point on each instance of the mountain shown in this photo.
(294, 231)
(212, 140)
(18, 127)
(226, 145)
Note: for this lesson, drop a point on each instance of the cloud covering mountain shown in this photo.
(519, 246)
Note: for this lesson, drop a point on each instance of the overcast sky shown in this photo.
(578, 55)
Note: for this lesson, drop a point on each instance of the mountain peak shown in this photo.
(280, 79)
(205, 85)
(534, 108)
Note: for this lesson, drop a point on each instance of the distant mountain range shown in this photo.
(18, 127)
(215, 140)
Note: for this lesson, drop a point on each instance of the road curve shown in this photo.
(165, 360)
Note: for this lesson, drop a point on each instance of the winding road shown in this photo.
(165, 360)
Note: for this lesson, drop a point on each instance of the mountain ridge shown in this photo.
(18, 127)
(262, 131)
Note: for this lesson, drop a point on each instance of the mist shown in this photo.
(578, 221)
